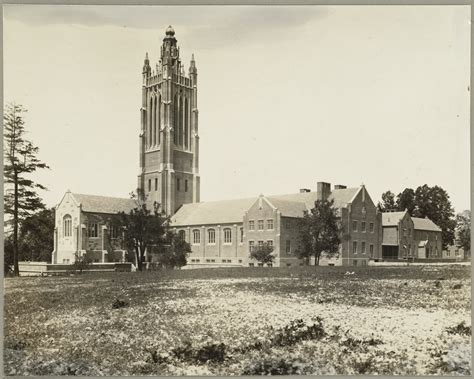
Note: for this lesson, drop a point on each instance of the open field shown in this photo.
(307, 320)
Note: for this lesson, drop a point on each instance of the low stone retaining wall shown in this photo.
(43, 268)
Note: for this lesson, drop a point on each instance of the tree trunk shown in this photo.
(139, 262)
(316, 260)
(16, 269)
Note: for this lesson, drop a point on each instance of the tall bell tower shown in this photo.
(169, 138)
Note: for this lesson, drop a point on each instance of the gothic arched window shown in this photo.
(180, 125)
(196, 236)
(154, 120)
(182, 234)
(186, 123)
(67, 222)
(211, 236)
(175, 120)
(149, 122)
(227, 235)
(158, 118)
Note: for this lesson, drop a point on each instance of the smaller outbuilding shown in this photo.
(407, 237)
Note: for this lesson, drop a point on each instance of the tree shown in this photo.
(81, 263)
(20, 197)
(433, 202)
(463, 229)
(388, 202)
(263, 253)
(143, 229)
(406, 201)
(37, 237)
(174, 252)
(319, 232)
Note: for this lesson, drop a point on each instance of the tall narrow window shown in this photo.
(175, 120)
(211, 236)
(354, 247)
(93, 230)
(180, 125)
(251, 245)
(260, 224)
(67, 226)
(371, 227)
(149, 185)
(196, 237)
(362, 247)
(178, 184)
(362, 226)
(241, 235)
(182, 235)
(371, 250)
(156, 184)
(148, 123)
(158, 119)
(186, 123)
(227, 236)
(153, 120)
(185, 185)
(270, 244)
(288, 246)
(354, 225)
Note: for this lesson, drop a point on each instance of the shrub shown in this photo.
(271, 366)
(460, 328)
(119, 304)
(210, 353)
(298, 331)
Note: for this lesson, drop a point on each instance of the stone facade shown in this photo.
(169, 139)
(246, 223)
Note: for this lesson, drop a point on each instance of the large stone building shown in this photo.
(410, 237)
(222, 233)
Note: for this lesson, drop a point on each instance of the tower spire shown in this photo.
(192, 65)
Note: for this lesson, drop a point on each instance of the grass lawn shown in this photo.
(412, 320)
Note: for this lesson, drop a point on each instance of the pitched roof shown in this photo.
(232, 211)
(425, 224)
(212, 212)
(392, 218)
(104, 204)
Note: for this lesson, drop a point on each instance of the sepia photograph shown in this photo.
(237, 190)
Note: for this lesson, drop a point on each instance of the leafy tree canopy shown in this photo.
(319, 231)
(263, 253)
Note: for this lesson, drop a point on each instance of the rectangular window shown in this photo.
(270, 224)
(288, 246)
(114, 232)
(198, 260)
(251, 265)
(156, 184)
(149, 185)
(362, 247)
(260, 244)
(371, 227)
(178, 184)
(185, 186)
(270, 243)
(269, 265)
(354, 225)
(362, 226)
(93, 231)
(240, 260)
(260, 265)
(227, 236)
(354, 247)
(251, 245)
(196, 237)
(371, 250)
(251, 225)
(241, 235)
(260, 224)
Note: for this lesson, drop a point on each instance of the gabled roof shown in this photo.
(212, 212)
(232, 211)
(392, 218)
(104, 204)
(425, 224)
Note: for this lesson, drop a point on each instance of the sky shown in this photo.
(287, 96)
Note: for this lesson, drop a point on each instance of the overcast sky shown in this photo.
(287, 96)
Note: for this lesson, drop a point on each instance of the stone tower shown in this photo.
(169, 140)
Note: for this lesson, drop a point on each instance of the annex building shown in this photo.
(221, 233)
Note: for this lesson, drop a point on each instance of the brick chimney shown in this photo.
(339, 186)
(324, 190)
(304, 190)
